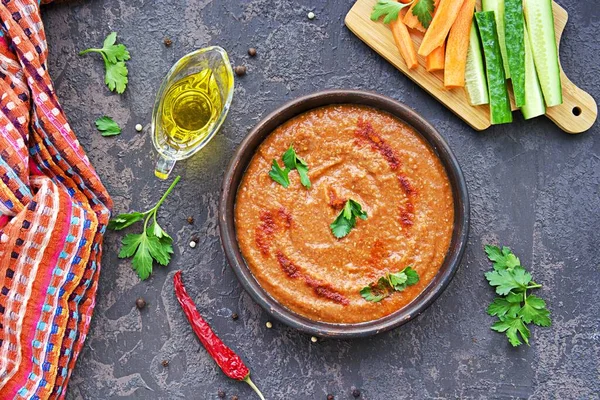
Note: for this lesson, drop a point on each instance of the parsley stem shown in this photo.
(534, 286)
(83, 52)
(152, 211)
(164, 196)
(148, 218)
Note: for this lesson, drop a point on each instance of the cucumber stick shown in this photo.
(540, 24)
(475, 81)
(500, 111)
(497, 6)
(534, 101)
(515, 47)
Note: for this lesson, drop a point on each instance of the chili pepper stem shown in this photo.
(253, 386)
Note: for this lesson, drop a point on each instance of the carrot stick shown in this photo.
(404, 43)
(435, 60)
(412, 21)
(458, 46)
(440, 25)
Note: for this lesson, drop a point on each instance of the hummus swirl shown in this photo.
(353, 152)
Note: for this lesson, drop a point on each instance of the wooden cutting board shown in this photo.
(577, 113)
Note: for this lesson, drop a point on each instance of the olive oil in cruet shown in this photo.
(191, 106)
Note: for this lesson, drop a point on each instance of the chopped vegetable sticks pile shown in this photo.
(480, 51)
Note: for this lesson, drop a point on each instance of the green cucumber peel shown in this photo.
(500, 110)
(475, 79)
(534, 103)
(540, 25)
(497, 6)
(515, 47)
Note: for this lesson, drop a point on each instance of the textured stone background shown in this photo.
(532, 187)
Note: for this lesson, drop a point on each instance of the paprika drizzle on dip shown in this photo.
(352, 152)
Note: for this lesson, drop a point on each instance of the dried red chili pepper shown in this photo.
(229, 362)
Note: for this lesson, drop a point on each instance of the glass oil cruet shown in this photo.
(191, 105)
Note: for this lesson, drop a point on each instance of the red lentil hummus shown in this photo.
(353, 152)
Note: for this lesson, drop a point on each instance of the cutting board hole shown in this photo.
(576, 111)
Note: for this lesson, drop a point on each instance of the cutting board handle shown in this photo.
(579, 110)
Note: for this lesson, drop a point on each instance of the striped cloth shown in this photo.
(53, 213)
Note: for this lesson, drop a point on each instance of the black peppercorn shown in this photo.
(168, 42)
(165, 363)
(140, 303)
(356, 393)
(329, 397)
(251, 51)
(190, 220)
(221, 394)
(240, 70)
(234, 316)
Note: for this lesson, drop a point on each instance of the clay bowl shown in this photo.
(244, 154)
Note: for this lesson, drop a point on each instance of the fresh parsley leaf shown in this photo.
(516, 308)
(502, 259)
(423, 10)
(507, 280)
(397, 279)
(107, 126)
(513, 327)
(122, 221)
(152, 244)
(130, 244)
(377, 292)
(114, 56)
(116, 77)
(158, 231)
(347, 210)
(357, 209)
(413, 276)
(137, 245)
(515, 297)
(388, 8)
(292, 161)
(279, 175)
(342, 226)
(535, 302)
(161, 248)
(390, 283)
(501, 307)
(114, 52)
(406, 277)
(534, 310)
(346, 220)
(303, 172)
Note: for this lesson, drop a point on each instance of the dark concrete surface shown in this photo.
(532, 187)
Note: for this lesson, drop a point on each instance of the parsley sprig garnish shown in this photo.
(388, 8)
(515, 309)
(346, 220)
(291, 161)
(152, 244)
(279, 175)
(423, 10)
(114, 56)
(107, 126)
(390, 283)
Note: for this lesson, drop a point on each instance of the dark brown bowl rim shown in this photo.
(237, 168)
